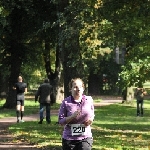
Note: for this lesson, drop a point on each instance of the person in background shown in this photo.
(140, 93)
(124, 95)
(76, 114)
(20, 88)
(44, 95)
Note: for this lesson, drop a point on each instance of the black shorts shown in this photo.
(85, 144)
(20, 102)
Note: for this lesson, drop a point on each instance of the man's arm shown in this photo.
(25, 90)
(144, 92)
(37, 94)
(136, 91)
(14, 87)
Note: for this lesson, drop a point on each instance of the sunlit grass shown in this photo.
(39, 134)
(30, 108)
(115, 127)
(97, 100)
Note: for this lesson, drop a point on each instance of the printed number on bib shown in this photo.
(78, 129)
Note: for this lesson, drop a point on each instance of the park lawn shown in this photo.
(115, 127)
(30, 108)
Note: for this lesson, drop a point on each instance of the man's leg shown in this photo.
(138, 108)
(48, 113)
(22, 110)
(142, 108)
(18, 105)
(41, 113)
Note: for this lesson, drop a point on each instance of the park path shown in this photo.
(6, 138)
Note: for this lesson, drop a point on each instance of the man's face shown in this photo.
(77, 88)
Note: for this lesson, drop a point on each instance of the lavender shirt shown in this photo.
(68, 107)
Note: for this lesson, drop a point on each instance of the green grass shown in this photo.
(97, 100)
(30, 108)
(116, 127)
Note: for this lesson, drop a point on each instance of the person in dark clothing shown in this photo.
(20, 88)
(124, 95)
(139, 93)
(43, 95)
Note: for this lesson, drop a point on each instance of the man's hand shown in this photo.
(14, 88)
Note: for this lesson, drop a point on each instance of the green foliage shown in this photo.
(84, 31)
(137, 71)
(115, 127)
(130, 28)
(80, 31)
(24, 27)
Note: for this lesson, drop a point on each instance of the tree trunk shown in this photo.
(94, 84)
(61, 48)
(59, 77)
(55, 77)
(3, 83)
(14, 73)
(47, 60)
(70, 70)
(17, 54)
(69, 47)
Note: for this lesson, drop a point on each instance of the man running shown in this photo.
(20, 88)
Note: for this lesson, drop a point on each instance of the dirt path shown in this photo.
(7, 139)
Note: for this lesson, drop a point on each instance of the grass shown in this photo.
(116, 127)
(30, 108)
(97, 100)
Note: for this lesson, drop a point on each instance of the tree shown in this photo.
(20, 40)
(80, 43)
(15, 49)
(130, 29)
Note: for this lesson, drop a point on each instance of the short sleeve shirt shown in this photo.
(20, 89)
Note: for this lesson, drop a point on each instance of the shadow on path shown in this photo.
(7, 139)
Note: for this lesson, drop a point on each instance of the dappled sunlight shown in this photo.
(38, 134)
(120, 138)
(115, 127)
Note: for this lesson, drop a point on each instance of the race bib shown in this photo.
(78, 129)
